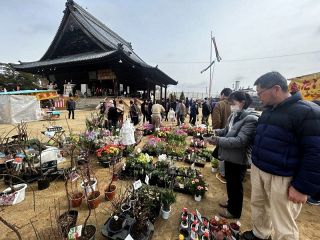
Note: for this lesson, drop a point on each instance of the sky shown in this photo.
(253, 37)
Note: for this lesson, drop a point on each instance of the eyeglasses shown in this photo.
(259, 93)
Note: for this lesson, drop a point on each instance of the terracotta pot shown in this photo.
(109, 195)
(76, 199)
(93, 199)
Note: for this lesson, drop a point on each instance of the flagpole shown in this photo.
(210, 83)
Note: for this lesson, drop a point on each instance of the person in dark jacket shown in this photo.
(206, 111)
(285, 159)
(71, 106)
(134, 112)
(193, 112)
(234, 143)
(315, 199)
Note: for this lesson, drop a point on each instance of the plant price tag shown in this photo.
(146, 180)
(137, 184)
(73, 176)
(75, 232)
(199, 215)
(129, 237)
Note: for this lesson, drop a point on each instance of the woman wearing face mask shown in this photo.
(234, 143)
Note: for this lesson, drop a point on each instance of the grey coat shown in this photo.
(235, 143)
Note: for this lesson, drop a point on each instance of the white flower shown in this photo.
(139, 150)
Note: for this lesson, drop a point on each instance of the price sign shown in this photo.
(199, 215)
(137, 184)
(129, 237)
(146, 180)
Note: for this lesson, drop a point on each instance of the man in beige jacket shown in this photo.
(156, 110)
(220, 115)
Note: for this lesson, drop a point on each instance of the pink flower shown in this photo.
(196, 180)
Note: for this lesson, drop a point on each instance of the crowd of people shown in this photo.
(281, 145)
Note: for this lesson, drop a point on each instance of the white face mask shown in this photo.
(235, 108)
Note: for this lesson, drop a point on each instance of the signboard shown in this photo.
(46, 95)
(308, 85)
(106, 74)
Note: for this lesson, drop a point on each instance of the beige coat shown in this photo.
(220, 114)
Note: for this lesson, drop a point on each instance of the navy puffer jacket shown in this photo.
(287, 143)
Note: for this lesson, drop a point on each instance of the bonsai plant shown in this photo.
(110, 190)
(167, 198)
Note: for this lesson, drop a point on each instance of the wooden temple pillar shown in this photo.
(148, 91)
(154, 93)
(165, 92)
(161, 93)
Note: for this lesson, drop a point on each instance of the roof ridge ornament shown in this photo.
(69, 3)
(120, 46)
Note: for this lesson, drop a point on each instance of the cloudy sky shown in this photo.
(253, 37)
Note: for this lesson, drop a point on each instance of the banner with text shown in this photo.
(308, 85)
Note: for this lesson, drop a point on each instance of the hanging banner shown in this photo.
(46, 95)
(308, 85)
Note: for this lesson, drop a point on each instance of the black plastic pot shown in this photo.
(66, 221)
(43, 184)
(90, 233)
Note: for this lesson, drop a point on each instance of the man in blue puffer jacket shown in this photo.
(285, 157)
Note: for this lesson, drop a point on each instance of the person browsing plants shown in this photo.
(234, 142)
(285, 159)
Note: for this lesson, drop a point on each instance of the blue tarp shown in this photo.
(24, 92)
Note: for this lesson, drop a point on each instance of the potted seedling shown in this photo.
(214, 165)
(167, 197)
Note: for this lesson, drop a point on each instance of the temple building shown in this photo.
(89, 58)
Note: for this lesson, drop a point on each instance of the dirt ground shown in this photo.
(21, 214)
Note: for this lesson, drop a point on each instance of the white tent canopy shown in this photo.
(17, 108)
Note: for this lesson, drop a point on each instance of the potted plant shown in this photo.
(235, 228)
(13, 195)
(76, 196)
(110, 191)
(214, 165)
(198, 187)
(167, 198)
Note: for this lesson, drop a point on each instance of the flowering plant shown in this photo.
(109, 151)
(162, 132)
(95, 121)
(144, 158)
(198, 186)
(178, 136)
(196, 131)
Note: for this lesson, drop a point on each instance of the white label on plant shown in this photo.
(73, 176)
(146, 180)
(75, 232)
(137, 185)
(124, 166)
(192, 166)
(199, 215)
(129, 237)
